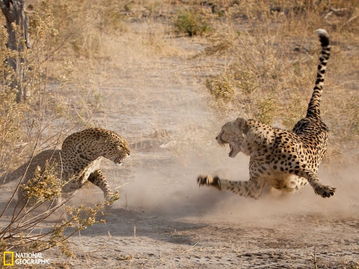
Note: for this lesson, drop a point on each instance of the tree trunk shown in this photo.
(18, 38)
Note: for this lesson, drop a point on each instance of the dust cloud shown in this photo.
(166, 94)
(170, 188)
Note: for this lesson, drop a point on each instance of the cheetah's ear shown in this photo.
(242, 124)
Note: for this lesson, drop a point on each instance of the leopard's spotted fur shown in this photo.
(77, 162)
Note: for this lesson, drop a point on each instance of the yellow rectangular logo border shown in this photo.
(12, 258)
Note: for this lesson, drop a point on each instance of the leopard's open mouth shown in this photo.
(118, 160)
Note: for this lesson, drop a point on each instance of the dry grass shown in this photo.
(48, 115)
(266, 55)
(271, 62)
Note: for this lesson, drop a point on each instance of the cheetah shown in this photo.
(281, 159)
(75, 164)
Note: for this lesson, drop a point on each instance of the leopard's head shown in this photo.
(115, 149)
(93, 143)
(234, 133)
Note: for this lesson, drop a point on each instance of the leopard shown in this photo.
(280, 159)
(76, 163)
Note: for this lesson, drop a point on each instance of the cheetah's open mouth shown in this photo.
(220, 141)
(231, 151)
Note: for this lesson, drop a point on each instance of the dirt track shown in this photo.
(165, 221)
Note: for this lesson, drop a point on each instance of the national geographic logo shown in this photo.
(11, 258)
(8, 258)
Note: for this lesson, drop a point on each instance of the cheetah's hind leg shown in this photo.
(320, 189)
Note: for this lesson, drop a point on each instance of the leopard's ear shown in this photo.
(242, 124)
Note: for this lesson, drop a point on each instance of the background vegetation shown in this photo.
(261, 59)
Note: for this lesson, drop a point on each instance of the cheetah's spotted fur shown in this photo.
(285, 160)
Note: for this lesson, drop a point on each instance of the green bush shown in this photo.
(192, 23)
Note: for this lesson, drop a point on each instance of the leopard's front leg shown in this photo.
(97, 178)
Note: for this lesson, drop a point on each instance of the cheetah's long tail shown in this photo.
(314, 104)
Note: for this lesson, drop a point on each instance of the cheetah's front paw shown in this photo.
(209, 181)
(324, 191)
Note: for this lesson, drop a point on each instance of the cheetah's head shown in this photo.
(234, 133)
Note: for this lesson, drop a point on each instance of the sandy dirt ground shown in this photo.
(164, 220)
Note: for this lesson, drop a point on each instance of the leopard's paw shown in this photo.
(110, 198)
